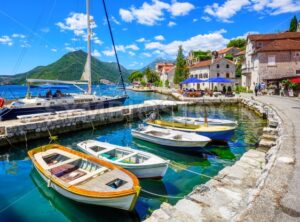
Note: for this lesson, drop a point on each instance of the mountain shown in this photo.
(70, 67)
(152, 64)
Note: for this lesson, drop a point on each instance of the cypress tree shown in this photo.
(293, 24)
(181, 70)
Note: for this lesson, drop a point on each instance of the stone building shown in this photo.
(219, 67)
(165, 71)
(271, 58)
(230, 50)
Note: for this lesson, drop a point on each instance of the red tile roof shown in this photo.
(281, 45)
(201, 64)
(240, 53)
(222, 51)
(275, 36)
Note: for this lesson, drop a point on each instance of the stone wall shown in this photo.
(229, 195)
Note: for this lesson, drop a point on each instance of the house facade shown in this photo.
(271, 58)
(165, 72)
(230, 50)
(219, 67)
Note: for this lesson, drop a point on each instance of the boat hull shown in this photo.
(12, 113)
(201, 121)
(182, 145)
(123, 203)
(156, 171)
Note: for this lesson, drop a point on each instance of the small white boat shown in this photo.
(141, 163)
(171, 138)
(84, 178)
(201, 121)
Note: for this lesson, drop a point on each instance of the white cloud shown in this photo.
(231, 7)
(108, 52)
(132, 47)
(195, 20)
(227, 10)
(54, 50)
(171, 24)
(120, 48)
(146, 54)
(124, 29)
(141, 40)
(6, 40)
(131, 53)
(96, 40)
(210, 41)
(159, 38)
(126, 15)
(151, 13)
(21, 36)
(25, 44)
(206, 18)
(76, 22)
(70, 49)
(115, 20)
(96, 53)
(133, 64)
(181, 8)
(244, 36)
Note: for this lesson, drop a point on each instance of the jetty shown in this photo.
(50, 124)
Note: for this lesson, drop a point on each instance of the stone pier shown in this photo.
(16, 131)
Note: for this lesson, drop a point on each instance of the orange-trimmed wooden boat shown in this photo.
(84, 178)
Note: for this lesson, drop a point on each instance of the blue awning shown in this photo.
(191, 80)
(219, 80)
(54, 87)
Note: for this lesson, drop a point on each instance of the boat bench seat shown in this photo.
(62, 163)
(127, 156)
(87, 176)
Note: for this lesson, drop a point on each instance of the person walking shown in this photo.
(256, 88)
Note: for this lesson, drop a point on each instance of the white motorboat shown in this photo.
(84, 178)
(171, 138)
(201, 121)
(141, 163)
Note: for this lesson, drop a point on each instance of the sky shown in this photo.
(35, 32)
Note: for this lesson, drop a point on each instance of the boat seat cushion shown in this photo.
(63, 169)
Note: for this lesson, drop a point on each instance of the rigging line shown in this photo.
(113, 42)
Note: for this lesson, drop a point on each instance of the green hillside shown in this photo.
(70, 67)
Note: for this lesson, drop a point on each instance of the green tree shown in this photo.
(202, 55)
(240, 43)
(293, 24)
(151, 75)
(181, 70)
(136, 75)
(229, 56)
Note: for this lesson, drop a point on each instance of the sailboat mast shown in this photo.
(89, 48)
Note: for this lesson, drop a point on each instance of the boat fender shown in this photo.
(49, 183)
(2, 101)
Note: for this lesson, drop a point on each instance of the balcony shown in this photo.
(246, 70)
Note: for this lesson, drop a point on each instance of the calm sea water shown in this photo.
(25, 197)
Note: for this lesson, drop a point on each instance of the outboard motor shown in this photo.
(153, 116)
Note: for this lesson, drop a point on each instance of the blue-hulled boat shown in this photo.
(217, 133)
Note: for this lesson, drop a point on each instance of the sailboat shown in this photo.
(50, 103)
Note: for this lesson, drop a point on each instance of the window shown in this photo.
(227, 66)
(271, 60)
(218, 66)
(218, 74)
(227, 75)
(200, 76)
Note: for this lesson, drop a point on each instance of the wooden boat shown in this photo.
(218, 133)
(142, 164)
(201, 121)
(171, 138)
(84, 178)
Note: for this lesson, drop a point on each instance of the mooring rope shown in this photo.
(160, 195)
(191, 171)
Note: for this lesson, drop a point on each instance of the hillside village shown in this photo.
(270, 61)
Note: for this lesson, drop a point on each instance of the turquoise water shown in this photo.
(25, 197)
